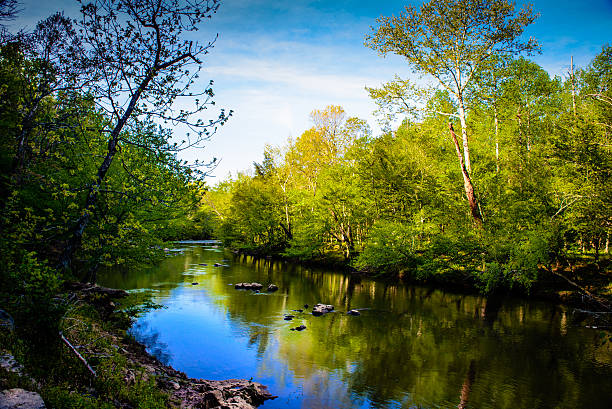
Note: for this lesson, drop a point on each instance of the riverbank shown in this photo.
(584, 282)
(97, 364)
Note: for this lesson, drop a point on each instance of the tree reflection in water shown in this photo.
(411, 346)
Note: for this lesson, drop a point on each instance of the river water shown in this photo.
(411, 347)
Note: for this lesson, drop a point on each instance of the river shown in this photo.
(411, 347)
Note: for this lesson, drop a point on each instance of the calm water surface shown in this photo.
(411, 347)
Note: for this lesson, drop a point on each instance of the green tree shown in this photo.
(452, 40)
(139, 65)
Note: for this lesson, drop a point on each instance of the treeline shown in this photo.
(541, 170)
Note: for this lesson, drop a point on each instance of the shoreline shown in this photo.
(183, 391)
(553, 289)
(118, 371)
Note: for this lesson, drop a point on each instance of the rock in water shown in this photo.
(300, 328)
(272, 288)
(288, 317)
(20, 399)
(320, 309)
(353, 312)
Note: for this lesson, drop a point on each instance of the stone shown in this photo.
(300, 328)
(288, 317)
(256, 286)
(194, 283)
(320, 309)
(272, 288)
(203, 264)
(20, 399)
(10, 364)
(353, 312)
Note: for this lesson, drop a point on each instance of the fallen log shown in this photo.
(73, 349)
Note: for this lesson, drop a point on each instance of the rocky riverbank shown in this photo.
(111, 368)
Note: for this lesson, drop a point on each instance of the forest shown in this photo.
(489, 174)
(496, 178)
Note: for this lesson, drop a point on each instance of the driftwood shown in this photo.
(598, 300)
(88, 288)
(73, 349)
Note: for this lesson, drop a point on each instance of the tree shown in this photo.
(451, 40)
(138, 65)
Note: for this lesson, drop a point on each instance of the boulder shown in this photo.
(353, 312)
(300, 328)
(272, 288)
(288, 317)
(20, 399)
(256, 286)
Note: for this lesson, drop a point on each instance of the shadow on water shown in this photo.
(410, 346)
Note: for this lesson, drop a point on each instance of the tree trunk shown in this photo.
(467, 182)
(496, 137)
(74, 241)
(573, 84)
(466, 149)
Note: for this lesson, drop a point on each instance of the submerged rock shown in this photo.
(353, 312)
(272, 288)
(194, 283)
(300, 328)
(288, 317)
(20, 398)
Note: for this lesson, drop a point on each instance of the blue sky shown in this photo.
(276, 61)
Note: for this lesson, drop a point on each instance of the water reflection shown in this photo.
(410, 347)
(150, 339)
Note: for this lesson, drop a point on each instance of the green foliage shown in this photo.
(395, 204)
(389, 248)
(62, 397)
